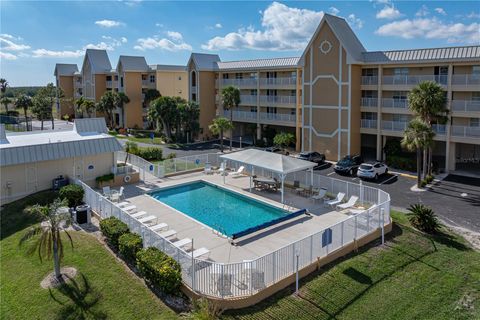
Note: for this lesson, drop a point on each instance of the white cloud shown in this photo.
(124, 40)
(432, 28)
(283, 28)
(440, 11)
(381, 1)
(174, 43)
(109, 44)
(218, 26)
(132, 3)
(423, 11)
(354, 22)
(473, 15)
(44, 53)
(334, 11)
(9, 43)
(159, 25)
(7, 56)
(388, 12)
(108, 23)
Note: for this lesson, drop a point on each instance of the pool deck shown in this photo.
(245, 248)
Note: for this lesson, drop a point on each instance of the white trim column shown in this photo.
(448, 124)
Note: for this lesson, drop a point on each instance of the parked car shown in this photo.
(312, 156)
(277, 150)
(348, 165)
(372, 170)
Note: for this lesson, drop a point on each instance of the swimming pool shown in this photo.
(228, 212)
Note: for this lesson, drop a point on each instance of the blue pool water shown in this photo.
(218, 208)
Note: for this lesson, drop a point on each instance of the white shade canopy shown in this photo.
(274, 162)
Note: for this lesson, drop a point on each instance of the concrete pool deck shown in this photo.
(248, 247)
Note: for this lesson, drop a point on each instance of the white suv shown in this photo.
(372, 170)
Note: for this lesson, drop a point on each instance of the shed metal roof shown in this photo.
(205, 61)
(65, 69)
(289, 62)
(132, 63)
(99, 61)
(28, 147)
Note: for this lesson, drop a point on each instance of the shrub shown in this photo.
(105, 178)
(129, 244)
(423, 183)
(159, 269)
(423, 218)
(171, 155)
(149, 153)
(429, 178)
(205, 310)
(113, 229)
(73, 193)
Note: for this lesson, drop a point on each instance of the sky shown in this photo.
(34, 35)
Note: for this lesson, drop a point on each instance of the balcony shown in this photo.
(466, 79)
(112, 84)
(439, 129)
(147, 83)
(278, 100)
(368, 124)
(465, 132)
(277, 82)
(244, 83)
(394, 125)
(264, 117)
(246, 99)
(395, 103)
(369, 102)
(465, 105)
(277, 117)
(369, 80)
(413, 80)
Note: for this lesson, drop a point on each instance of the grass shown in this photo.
(414, 276)
(103, 287)
(156, 140)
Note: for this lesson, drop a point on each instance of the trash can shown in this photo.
(82, 214)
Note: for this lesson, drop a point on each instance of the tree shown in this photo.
(5, 101)
(107, 105)
(163, 111)
(79, 105)
(24, 102)
(89, 107)
(428, 102)
(230, 99)
(48, 242)
(130, 147)
(3, 85)
(41, 108)
(150, 95)
(218, 126)
(53, 94)
(417, 136)
(284, 139)
(189, 112)
(119, 100)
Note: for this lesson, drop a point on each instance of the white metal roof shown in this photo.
(33, 146)
(65, 69)
(275, 162)
(205, 61)
(99, 61)
(290, 62)
(132, 63)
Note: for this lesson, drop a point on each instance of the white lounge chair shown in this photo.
(239, 171)
(335, 201)
(116, 195)
(168, 234)
(129, 208)
(139, 214)
(182, 243)
(147, 219)
(350, 203)
(223, 168)
(320, 195)
(123, 204)
(208, 169)
(356, 211)
(106, 191)
(159, 226)
(200, 252)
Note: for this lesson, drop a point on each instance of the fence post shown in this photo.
(174, 165)
(193, 269)
(342, 233)
(274, 257)
(355, 234)
(311, 248)
(382, 212)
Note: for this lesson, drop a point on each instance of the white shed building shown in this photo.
(29, 161)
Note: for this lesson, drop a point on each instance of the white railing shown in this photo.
(278, 81)
(111, 84)
(263, 116)
(241, 115)
(395, 103)
(467, 132)
(122, 169)
(413, 80)
(369, 102)
(240, 279)
(370, 80)
(439, 129)
(282, 117)
(368, 124)
(394, 125)
(251, 82)
(247, 99)
(278, 99)
(466, 105)
(466, 79)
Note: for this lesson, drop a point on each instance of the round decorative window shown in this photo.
(325, 46)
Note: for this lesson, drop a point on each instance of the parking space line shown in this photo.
(330, 173)
(395, 176)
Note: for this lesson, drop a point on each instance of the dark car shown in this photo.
(312, 156)
(348, 165)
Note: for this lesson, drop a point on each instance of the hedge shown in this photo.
(113, 229)
(159, 269)
(149, 153)
(129, 244)
(73, 193)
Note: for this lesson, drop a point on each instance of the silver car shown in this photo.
(372, 170)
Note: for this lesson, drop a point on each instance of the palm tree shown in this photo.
(3, 86)
(130, 147)
(428, 102)
(89, 107)
(230, 99)
(25, 102)
(120, 99)
(218, 126)
(188, 114)
(163, 112)
(417, 136)
(54, 95)
(41, 108)
(107, 105)
(79, 105)
(48, 242)
(5, 101)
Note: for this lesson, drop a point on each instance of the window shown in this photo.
(179, 78)
(121, 81)
(475, 122)
(194, 79)
(476, 96)
(399, 95)
(292, 111)
(152, 78)
(272, 110)
(476, 70)
(271, 92)
(370, 72)
(253, 109)
(253, 92)
(144, 77)
(369, 93)
(238, 75)
(225, 76)
(369, 115)
(400, 118)
(400, 71)
(293, 75)
(271, 75)
(116, 78)
(194, 97)
(293, 93)
(253, 75)
(109, 78)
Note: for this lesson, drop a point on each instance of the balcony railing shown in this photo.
(467, 132)
(263, 116)
(394, 125)
(439, 129)
(414, 80)
(368, 124)
(278, 81)
(147, 83)
(282, 117)
(466, 105)
(250, 82)
(111, 84)
(395, 103)
(370, 80)
(279, 99)
(247, 99)
(369, 102)
(466, 79)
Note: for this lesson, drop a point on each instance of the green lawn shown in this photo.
(412, 277)
(156, 140)
(103, 288)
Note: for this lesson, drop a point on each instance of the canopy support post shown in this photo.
(311, 177)
(282, 177)
(251, 177)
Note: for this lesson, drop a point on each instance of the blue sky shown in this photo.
(35, 35)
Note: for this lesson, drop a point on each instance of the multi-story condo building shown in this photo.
(337, 97)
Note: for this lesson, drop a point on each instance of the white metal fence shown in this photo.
(240, 279)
